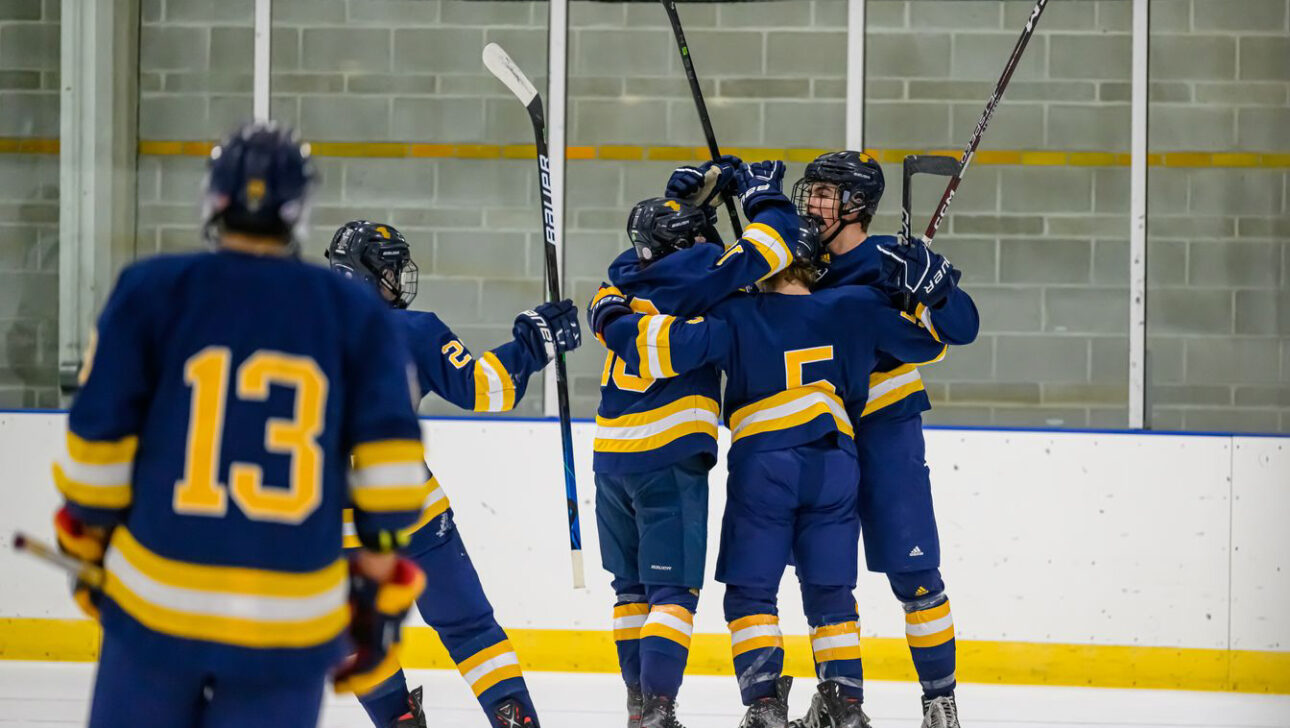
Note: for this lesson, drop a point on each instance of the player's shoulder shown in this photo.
(853, 296)
(158, 274)
(422, 322)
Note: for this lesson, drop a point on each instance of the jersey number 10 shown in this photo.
(200, 493)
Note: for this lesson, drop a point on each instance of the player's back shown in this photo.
(245, 370)
(644, 422)
(793, 365)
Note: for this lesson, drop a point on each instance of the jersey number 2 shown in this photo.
(199, 492)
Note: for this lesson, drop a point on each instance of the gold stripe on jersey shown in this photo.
(388, 475)
(231, 605)
(924, 316)
(654, 347)
(652, 429)
(890, 387)
(494, 388)
(770, 246)
(789, 409)
(97, 473)
(435, 505)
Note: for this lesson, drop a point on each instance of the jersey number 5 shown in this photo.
(200, 493)
(795, 360)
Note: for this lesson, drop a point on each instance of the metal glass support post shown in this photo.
(263, 37)
(855, 74)
(98, 147)
(1138, 416)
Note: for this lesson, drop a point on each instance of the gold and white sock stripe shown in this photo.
(489, 666)
(671, 622)
(628, 620)
(930, 627)
(836, 642)
(755, 632)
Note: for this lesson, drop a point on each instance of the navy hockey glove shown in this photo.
(377, 611)
(549, 328)
(607, 306)
(702, 185)
(758, 184)
(919, 272)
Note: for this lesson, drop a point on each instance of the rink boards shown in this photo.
(1071, 558)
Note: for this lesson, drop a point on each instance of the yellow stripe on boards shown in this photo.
(886, 658)
(637, 152)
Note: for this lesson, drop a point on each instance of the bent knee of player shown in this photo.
(679, 595)
(828, 604)
(918, 589)
(741, 601)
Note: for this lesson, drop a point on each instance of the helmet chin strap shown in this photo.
(841, 224)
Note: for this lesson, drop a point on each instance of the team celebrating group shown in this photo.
(243, 374)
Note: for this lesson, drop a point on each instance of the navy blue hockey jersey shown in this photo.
(647, 421)
(795, 364)
(896, 388)
(224, 398)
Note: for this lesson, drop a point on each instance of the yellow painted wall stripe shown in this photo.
(633, 152)
(1010, 663)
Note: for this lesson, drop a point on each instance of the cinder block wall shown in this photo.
(28, 205)
(1043, 246)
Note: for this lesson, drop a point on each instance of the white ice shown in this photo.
(56, 695)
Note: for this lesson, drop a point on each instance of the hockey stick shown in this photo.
(990, 106)
(501, 66)
(697, 93)
(92, 575)
(915, 164)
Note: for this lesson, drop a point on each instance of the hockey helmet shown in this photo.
(659, 226)
(258, 182)
(855, 180)
(378, 255)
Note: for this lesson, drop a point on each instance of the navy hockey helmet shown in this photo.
(810, 248)
(851, 181)
(378, 255)
(659, 226)
(258, 182)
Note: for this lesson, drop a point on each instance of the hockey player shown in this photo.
(793, 361)
(209, 458)
(454, 604)
(841, 190)
(656, 439)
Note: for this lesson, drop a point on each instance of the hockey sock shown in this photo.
(756, 643)
(665, 639)
(835, 636)
(629, 617)
(491, 668)
(387, 701)
(929, 629)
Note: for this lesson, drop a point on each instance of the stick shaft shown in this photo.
(943, 206)
(561, 374)
(695, 91)
(91, 574)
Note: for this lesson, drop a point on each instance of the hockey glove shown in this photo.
(916, 270)
(549, 328)
(377, 610)
(84, 542)
(607, 306)
(702, 185)
(758, 184)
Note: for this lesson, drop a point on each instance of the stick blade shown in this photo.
(500, 65)
(941, 166)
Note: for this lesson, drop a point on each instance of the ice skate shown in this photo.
(415, 717)
(772, 711)
(831, 709)
(940, 712)
(658, 711)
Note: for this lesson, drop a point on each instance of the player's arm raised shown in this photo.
(764, 249)
(656, 345)
(496, 380)
(931, 284)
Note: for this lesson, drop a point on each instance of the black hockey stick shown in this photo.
(990, 106)
(697, 93)
(501, 66)
(920, 164)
